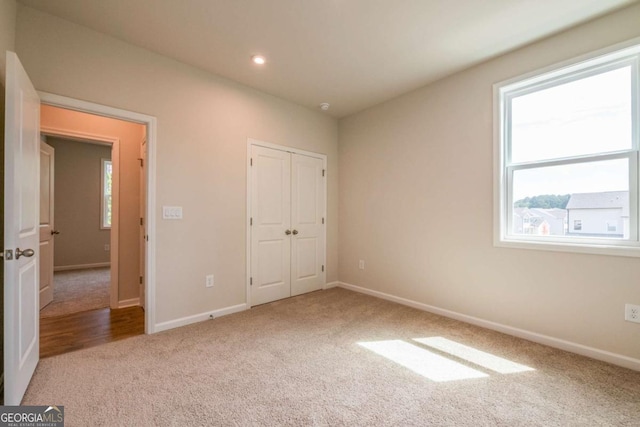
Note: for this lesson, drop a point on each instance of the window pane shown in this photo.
(586, 116)
(108, 167)
(107, 181)
(584, 199)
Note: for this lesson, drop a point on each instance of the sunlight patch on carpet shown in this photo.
(429, 365)
(470, 354)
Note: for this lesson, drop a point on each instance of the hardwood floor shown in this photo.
(71, 332)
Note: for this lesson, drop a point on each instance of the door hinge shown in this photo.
(323, 220)
(141, 280)
(141, 221)
(141, 163)
(251, 162)
(251, 281)
(323, 268)
(322, 172)
(251, 221)
(146, 237)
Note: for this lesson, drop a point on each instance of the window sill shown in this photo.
(585, 248)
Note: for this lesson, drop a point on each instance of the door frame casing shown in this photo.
(151, 124)
(250, 143)
(114, 143)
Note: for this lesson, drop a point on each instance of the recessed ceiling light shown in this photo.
(258, 59)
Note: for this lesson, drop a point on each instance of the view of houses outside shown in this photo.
(601, 214)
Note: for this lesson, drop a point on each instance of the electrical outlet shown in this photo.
(361, 264)
(209, 281)
(107, 247)
(632, 313)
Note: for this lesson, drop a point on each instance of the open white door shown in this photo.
(21, 231)
(47, 231)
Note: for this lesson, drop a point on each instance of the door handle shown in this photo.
(295, 232)
(287, 232)
(27, 252)
(54, 232)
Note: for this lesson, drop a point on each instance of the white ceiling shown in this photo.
(351, 53)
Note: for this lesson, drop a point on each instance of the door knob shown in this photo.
(295, 232)
(27, 252)
(53, 232)
(287, 232)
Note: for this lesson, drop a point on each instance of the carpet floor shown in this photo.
(334, 357)
(78, 290)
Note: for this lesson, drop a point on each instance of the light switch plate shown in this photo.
(172, 212)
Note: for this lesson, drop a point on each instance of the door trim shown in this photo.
(250, 143)
(114, 143)
(151, 124)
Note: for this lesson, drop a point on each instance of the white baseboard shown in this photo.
(163, 326)
(594, 353)
(128, 302)
(81, 266)
(331, 285)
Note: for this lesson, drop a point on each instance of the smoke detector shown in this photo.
(324, 106)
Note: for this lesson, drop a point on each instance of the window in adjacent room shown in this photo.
(567, 153)
(107, 174)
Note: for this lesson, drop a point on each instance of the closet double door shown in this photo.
(286, 224)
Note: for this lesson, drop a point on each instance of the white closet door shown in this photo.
(271, 217)
(307, 239)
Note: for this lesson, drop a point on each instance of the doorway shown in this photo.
(149, 279)
(98, 224)
(286, 227)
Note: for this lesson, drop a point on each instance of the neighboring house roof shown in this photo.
(540, 213)
(602, 200)
(554, 213)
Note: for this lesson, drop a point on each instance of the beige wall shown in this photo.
(416, 203)
(7, 32)
(130, 136)
(77, 205)
(203, 125)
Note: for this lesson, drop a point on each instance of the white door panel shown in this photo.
(47, 176)
(306, 263)
(273, 189)
(21, 230)
(27, 283)
(271, 218)
(307, 208)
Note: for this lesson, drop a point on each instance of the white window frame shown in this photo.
(621, 55)
(103, 204)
